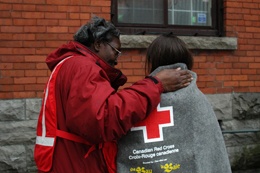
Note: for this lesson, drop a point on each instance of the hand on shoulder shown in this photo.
(174, 79)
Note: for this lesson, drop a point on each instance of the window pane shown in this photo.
(183, 17)
(189, 12)
(140, 11)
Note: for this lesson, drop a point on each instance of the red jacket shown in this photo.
(89, 106)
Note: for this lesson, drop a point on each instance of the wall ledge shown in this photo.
(207, 43)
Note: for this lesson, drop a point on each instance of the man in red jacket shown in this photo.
(82, 114)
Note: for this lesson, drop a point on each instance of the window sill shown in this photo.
(207, 43)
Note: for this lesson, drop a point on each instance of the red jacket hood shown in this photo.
(62, 52)
(74, 48)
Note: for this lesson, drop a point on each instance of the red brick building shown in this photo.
(31, 29)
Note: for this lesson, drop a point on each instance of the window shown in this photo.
(182, 17)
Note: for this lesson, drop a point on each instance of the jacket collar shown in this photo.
(117, 78)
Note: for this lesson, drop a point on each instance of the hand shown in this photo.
(174, 79)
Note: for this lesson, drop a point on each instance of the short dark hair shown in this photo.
(98, 29)
(167, 49)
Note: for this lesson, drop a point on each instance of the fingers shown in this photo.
(185, 75)
(174, 79)
(186, 78)
(177, 69)
(185, 84)
(184, 72)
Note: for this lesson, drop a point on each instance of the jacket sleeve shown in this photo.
(95, 111)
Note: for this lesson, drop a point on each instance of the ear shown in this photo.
(96, 46)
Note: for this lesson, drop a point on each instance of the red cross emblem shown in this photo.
(153, 124)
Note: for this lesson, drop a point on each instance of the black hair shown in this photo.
(98, 29)
(167, 49)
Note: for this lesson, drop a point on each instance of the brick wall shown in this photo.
(242, 67)
(29, 30)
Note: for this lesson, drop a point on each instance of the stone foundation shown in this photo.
(238, 114)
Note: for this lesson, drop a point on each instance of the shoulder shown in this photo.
(81, 66)
(78, 62)
(81, 60)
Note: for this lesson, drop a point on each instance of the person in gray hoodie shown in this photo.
(182, 135)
